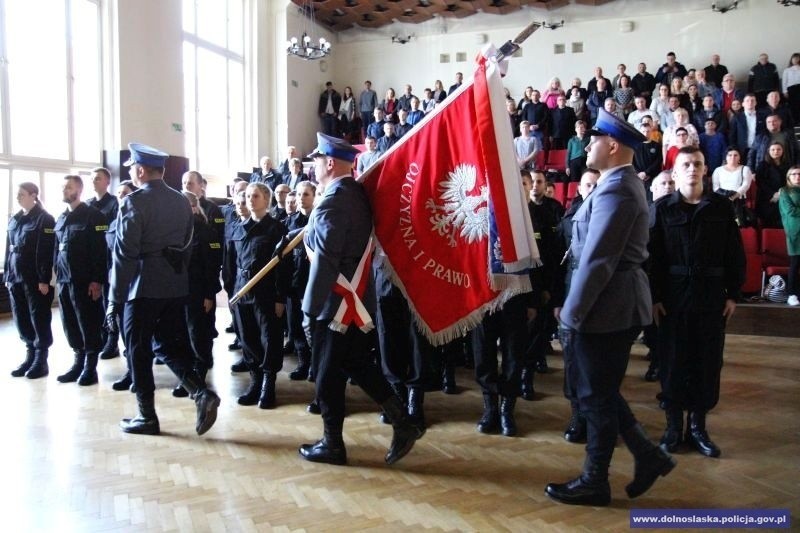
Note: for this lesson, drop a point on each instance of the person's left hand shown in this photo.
(279, 309)
(95, 291)
(730, 307)
(208, 304)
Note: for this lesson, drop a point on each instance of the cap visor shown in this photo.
(596, 133)
(315, 153)
(129, 162)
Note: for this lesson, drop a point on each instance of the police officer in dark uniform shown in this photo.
(233, 217)
(108, 205)
(30, 239)
(697, 270)
(259, 313)
(338, 237)
(150, 279)
(81, 271)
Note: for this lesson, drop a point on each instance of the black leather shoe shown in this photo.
(253, 392)
(541, 365)
(110, 353)
(300, 373)
(490, 421)
(576, 429)
(647, 469)
(234, 346)
(72, 375)
(26, 364)
(123, 383)
(579, 492)
(240, 366)
(229, 329)
(267, 398)
(313, 408)
(140, 425)
(671, 439)
(324, 452)
(449, 380)
(207, 403)
(527, 385)
(697, 437)
(508, 426)
(89, 374)
(651, 375)
(38, 368)
(180, 392)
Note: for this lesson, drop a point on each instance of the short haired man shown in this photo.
(371, 155)
(744, 127)
(643, 83)
(328, 109)
(367, 102)
(526, 146)
(763, 78)
(774, 132)
(375, 128)
(715, 72)
(647, 156)
(697, 269)
(670, 69)
(662, 185)
(727, 93)
(457, 84)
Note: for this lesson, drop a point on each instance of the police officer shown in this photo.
(697, 270)
(259, 313)
(81, 271)
(29, 269)
(149, 278)
(124, 188)
(338, 237)
(609, 244)
(234, 213)
(108, 205)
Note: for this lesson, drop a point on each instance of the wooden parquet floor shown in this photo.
(65, 466)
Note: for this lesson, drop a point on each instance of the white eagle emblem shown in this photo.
(462, 214)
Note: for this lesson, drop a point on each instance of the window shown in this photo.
(213, 77)
(51, 105)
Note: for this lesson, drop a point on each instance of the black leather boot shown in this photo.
(541, 362)
(672, 435)
(39, 368)
(240, 366)
(576, 429)
(649, 461)
(205, 399)
(123, 383)
(527, 384)
(146, 422)
(330, 449)
(405, 432)
(74, 371)
(110, 349)
(26, 364)
(652, 370)
(590, 488)
(180, 392)
(508, 425)
(89, 374)
(449, 378)
(490, 421)
(313, 407)
(267, 398)
(300, 373)
(235, 345)
(253, 392)
(416, 399)
(697, 436)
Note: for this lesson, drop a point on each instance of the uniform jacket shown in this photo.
(215, 217)
(81, 255)
(763, 78)
(738, 94)
(338, 231)
(205, 261)
(696, 261)
(253, 244)
(610, 291)
(29, 247)
(108, 205)
(299, 258)
(151, 219)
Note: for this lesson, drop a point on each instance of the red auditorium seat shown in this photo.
(539, 160)
(749, 240)
(775, 258)
(561, 192)
(750, 201)
(557, 160)
(753, 277)
(572, 189)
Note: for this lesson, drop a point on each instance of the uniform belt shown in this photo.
(62, 246)
(706, 272)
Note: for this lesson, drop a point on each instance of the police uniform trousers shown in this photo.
(404, 350)
(340, 356)
(261, 335)
(81, 317)
(598, 365)
(690, 347)
(509, 326)
(156, 327)
(294, 319)
(32, 314)
(200, 327)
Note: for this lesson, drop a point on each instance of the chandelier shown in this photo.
(306, 47)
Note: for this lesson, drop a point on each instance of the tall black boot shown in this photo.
(123, 383)
(590, 488)
(39, 368)
(449, 378)
(240, 366)
(576, 429)
(26, 364)
(253, 392)
(205, 399)
(490, 421)
(672, 435)
(527, 384)
(74, 371)
(267, 398)
(649, 461)
(110, 349)
(300, 373)
(416, 399)
(330, 449)
(405, 432)
(697, 436)
(146, 422)
(89, 374)
(508, 425)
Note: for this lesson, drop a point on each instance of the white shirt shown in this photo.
(751, 127)
(738, 180)
(791, 76)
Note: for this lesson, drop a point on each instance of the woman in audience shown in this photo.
(526, 99)
(30, 244)
(551, 94)
(694, 101)
(736, 108)
(623, 95)
(347, 113)
(790, 82)
(439, 93)
(681, 119)
(390, 106)
(770, 177)
(676, 88)
(660, 103)
(789, 205)
(733, 181)
(577, 103)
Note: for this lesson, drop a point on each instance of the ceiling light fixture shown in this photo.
(724, 9)
(553, 26)
(306, 47)
(402, 40)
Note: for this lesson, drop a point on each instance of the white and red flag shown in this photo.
(448, 204)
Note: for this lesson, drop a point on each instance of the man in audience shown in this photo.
(744, 127)
(285, 168)
(774, 107)
(537, 114)
(597, 98)
(610, 105)
(598, 75)
(710, 111)
(563, 120)
(457, 84)
(278, 211)
(404, 102)
(265, 174)
(643, 83)
(375, 129)
(772, 134)
(715, 72)
(727, 93)
(526, 147)
(641, 111)
(762, 79)
(328, 109)
(366, 159)
(669, 70)
(388, 138)
(416, 114)
(620, 72)
(714, 145)
(367, 102)
(402, 127)
(647, 156)
(703, 87)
